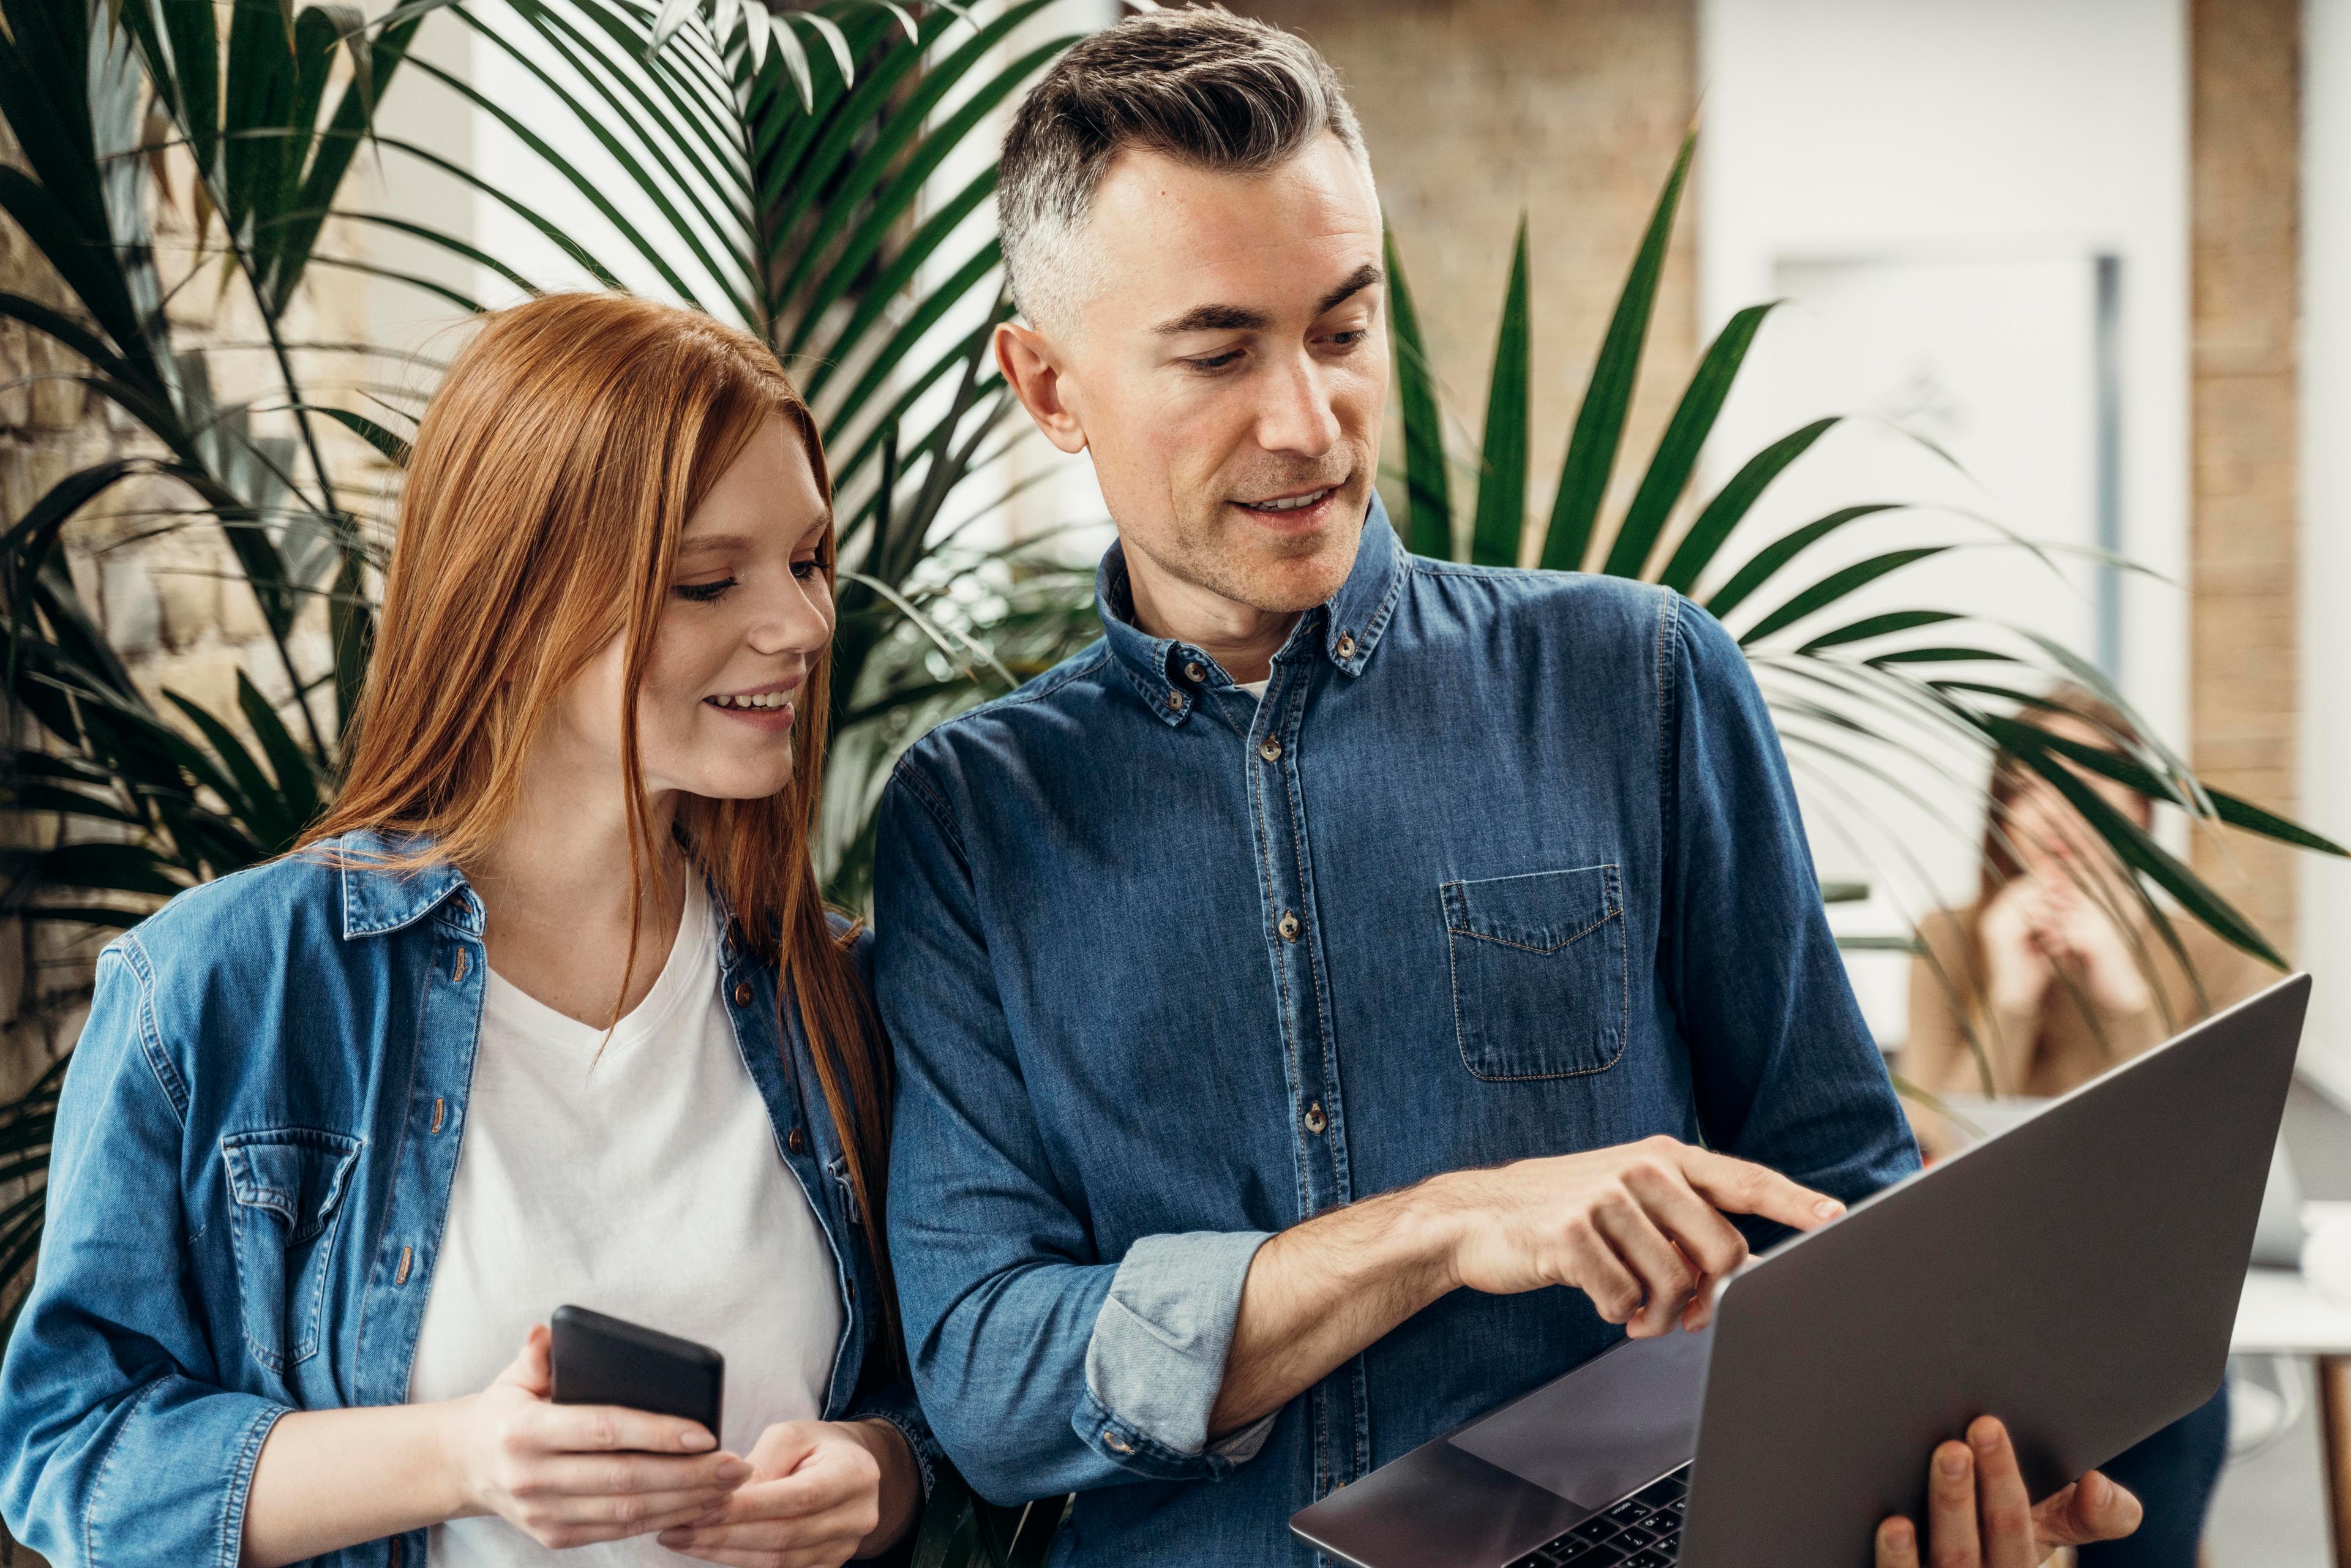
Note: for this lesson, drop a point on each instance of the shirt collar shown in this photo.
(1346, 629)
(377, 898)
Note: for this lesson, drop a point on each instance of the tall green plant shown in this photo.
(1851, 689)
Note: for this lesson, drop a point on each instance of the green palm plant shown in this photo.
(1848, 691)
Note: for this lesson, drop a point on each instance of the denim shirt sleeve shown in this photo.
(120, 1450)
(1042, 1368)
(1785, 1072)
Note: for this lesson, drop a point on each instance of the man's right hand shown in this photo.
(1640, 1228)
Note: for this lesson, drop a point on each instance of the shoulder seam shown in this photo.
(1048, 684)
(132, 954)
(929, 797)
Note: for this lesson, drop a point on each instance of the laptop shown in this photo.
(2076, 1275)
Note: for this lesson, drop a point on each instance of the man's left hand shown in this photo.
(1980, 1516)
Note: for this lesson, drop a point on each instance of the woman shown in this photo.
(546, 1011)
(2055, 973)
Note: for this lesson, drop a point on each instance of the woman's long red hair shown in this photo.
(551, 479)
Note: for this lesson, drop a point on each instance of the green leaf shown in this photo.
(795, 57)
(1731, 503)
(1501, 514)
(907, 185)
(845, 201)
(350, 622)
(1428, 498)
(394, 450)
(1768, 560)
(1677, 450)
(2018, 736)
(112, 868)
(1836, 586)
(296, 770)
(1879, 626)
(255, 801)
(1600, 421)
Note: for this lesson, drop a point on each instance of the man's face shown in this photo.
(1229, 370)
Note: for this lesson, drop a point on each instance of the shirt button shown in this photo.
(1195, 672)
(1315, 1121)
(1346, 644)
(1175, 701)
(743, 993)
(794, 1141)
(1271, 751)
(1288, 926)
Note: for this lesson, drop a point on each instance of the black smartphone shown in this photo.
(600, 1360)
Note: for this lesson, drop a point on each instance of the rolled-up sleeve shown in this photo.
(1785, 1069)
(119, 1449)
(1157, 1358)
(1043, 1366)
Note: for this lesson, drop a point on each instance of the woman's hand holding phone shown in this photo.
(567, 1475)
(819, 1493)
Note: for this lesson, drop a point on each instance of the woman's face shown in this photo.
(2046, 829)
(749, 614)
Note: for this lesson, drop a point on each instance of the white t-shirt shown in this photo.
(1254, 688)
(644, 1183)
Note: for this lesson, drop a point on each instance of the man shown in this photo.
(1349, 947)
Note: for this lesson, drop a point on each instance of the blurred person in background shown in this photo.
(2055, 973)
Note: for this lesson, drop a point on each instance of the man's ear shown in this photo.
(1033, 371)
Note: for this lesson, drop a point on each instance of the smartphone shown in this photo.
(602, 1360)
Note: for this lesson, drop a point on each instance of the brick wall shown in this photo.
(2245, 112)
(1568, 110)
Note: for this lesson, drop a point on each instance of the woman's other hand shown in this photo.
(2016, 957)
(820, 1493)
(2085, 935)
(567, 1475)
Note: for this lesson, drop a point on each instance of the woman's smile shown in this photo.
(767, 708)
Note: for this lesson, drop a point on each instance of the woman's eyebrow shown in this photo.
(711, 544)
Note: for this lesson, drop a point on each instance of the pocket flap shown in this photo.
(296, 1172)
(1542, 911)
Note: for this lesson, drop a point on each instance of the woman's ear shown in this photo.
(1033, 371)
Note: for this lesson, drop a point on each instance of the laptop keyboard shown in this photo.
(1644, 1530)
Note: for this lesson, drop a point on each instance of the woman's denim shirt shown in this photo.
(249, 1182)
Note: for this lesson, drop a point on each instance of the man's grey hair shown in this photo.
(1201, 86)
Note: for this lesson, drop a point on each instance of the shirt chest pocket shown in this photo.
(286, 1190)
(1539, 982)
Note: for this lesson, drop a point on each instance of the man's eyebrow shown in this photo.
(1240, 318)
(1362, 278)
(1214, 318)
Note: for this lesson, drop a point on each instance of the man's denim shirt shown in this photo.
(1506, 863)
(251, 1173)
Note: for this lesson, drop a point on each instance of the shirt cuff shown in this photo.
(1155, 1361)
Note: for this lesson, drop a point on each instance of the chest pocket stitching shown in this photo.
(275, 1292)
(1452, 896)
(1465, 930)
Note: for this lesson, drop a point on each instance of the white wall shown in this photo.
(1932, 183)
(2327, 530)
